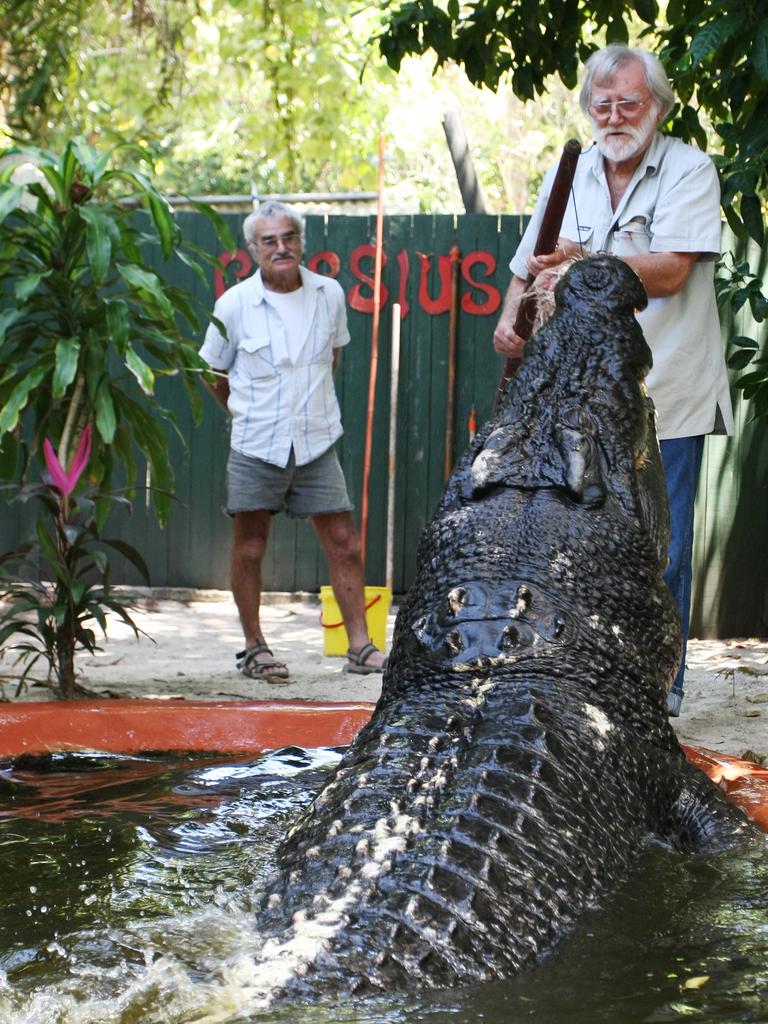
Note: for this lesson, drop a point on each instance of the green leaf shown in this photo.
(712, 36)
(72, 533)
(147, 284)
(47, 546)
(8, 318)
(132, 555)
(92, 162)
(140, 371)
(17, 400)
(98, 239)
(99, 615)
(223, 232)
(69, 165)
(752, 215)
(647, 11)
(118, 323)
(756, 377)
(759, 54)
(26, 286)
(67, 355)
(739, 297)
(54, 179)
(106, 420)
(738, 360)
(182, 305)
(10, 198)
(194, 266)
(101, 560)
(743, 342)
(734, 221)
(162, 218)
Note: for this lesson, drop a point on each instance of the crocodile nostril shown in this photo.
(454, 643)
(509, 638)
(419, 627)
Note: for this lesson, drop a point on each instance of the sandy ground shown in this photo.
(192, 636)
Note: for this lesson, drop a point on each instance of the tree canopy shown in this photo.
(225, 91)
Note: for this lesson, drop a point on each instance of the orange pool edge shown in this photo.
(251, 727)
(144, 726)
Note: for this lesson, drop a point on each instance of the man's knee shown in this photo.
(338, 534)
(249, 541)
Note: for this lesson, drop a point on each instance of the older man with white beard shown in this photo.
(654, 202)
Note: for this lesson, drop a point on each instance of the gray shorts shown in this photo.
(315, 489)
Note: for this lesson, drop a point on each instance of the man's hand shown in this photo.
(219, 388)
(564, 250)
(506, 341)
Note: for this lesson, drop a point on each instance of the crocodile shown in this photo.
(520, 755)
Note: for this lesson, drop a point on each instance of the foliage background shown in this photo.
(284, 95)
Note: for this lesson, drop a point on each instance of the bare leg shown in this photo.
(249, 543)
(340, 541)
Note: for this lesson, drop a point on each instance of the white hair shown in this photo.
(272, 208)
(603, 65)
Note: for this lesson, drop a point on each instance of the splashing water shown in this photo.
(129, 888)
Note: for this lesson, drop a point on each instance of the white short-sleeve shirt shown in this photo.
(672, 204)
(280, 399)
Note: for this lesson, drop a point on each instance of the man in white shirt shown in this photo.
(284, 328)
(655, 202)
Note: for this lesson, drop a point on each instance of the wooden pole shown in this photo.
(393, 385)
(455, 257)
(546, 241)
(374, 352)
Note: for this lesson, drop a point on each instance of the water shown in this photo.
(129, 884)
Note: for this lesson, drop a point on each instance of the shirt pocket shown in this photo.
(632, 238)
(254, 357)
(318, 340)
(580, 234)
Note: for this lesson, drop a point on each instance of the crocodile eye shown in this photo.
(559, 626)
(419, 627)
(457, 598)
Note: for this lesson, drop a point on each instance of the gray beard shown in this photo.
(641, 136)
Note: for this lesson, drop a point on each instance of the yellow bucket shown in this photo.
(335, 640)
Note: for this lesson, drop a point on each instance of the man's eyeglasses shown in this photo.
(268, 242)
(604, 108)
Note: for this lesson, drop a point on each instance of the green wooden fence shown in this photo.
(193, 550)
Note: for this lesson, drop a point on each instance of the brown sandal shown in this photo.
(250, 665)
(356, 661)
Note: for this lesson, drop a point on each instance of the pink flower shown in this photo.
(65, 482)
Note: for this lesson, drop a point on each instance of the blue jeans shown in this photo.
(681, 457)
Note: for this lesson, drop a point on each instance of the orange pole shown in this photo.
(374, 352)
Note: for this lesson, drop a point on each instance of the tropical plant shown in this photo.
(53, 589)
(88, 325)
